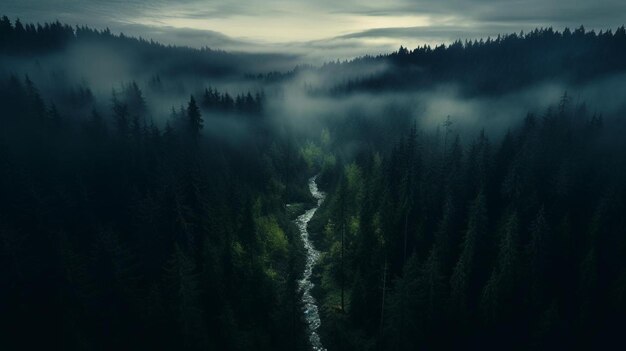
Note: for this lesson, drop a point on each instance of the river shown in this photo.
(310, 310)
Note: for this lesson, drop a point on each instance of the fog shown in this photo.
(496, 114)
(306, 98)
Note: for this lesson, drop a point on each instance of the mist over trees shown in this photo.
(145, 206)
(495, 66)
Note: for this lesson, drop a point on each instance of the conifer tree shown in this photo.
(195, 123)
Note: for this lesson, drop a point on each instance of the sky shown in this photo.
(319, 29)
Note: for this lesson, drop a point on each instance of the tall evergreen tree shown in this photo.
(195, 123)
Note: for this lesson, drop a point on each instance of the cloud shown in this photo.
(442, 33)
(185, 36)
(320, 29)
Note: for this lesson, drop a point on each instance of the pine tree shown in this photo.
(538, 258)
(502, 284)
(464, 276)
(184, 287)
(404, 330)
(195, 123)
(120, 115)
(35, 106)
(431, 289)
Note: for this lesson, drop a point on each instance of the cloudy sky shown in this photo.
(323, 29)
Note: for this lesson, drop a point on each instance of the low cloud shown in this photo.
(374, 27)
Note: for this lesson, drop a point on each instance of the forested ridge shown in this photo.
(497, 65)
(20, 40)
(504, 63)
(145, 206)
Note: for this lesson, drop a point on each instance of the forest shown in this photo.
(472, 194)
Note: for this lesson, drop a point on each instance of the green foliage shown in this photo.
(274, 238)
(312, 155)
(325, 139)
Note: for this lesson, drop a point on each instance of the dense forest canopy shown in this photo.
(502, 64)
(474, 194)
